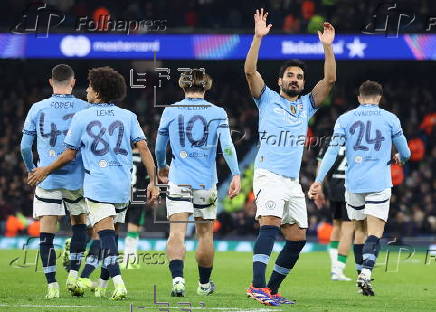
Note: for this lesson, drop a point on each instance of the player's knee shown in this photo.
(270, 220)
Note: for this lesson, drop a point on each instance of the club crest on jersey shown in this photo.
(293, 109)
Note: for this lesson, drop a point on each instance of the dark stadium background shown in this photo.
(409, 88)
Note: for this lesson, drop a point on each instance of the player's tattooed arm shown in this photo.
(323, 87)
(254, 79)
(147, 160)
(39, 174)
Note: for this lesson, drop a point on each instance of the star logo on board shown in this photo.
(356, 48)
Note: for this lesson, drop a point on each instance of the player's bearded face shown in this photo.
(292, 82)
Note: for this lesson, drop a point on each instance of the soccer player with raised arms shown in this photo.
(193, 127)
(283, 119)
(104, 134)
(367, 133)
(48, 121)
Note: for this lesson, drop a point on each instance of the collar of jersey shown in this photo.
(369, 105)
(102, 104)
(62, 95)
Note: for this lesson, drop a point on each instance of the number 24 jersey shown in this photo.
(104, 133)
(368, 132)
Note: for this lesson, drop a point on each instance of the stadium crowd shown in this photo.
(287, 16)
(413, 205)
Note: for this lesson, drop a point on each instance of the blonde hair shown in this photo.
(195, 81)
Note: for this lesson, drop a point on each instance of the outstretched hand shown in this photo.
(260, 27)
(328, 35)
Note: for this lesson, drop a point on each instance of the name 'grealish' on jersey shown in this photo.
(282, 131)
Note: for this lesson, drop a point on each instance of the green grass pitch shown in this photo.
(412, 288)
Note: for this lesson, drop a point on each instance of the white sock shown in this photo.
(118, 280)
(340, 266)
(53, 285)
(73, 274)
(102, 283)
(178, 279)
(130, 249)
(333, 253)
(207, 285)
(366, 273)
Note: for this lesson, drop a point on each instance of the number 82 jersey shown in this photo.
(104, 133)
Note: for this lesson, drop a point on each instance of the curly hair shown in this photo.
(109, 84)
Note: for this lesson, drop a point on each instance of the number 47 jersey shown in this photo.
(49, 121)
(104, 133)
(368, 132)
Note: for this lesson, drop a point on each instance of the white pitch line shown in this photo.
(150, 307)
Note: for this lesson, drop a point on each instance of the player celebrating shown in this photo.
(193, 126)
(282, 118)
(368, 132)
(343, 229)
(104, 134)
(48, 121)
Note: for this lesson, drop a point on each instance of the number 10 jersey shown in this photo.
(104, 133)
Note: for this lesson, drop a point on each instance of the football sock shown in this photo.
(341, 262)
(333, 253)
(131, 247)
(78, 246)
(176, 268)
(358, 256)
(48, 256)
(92, 259)
(370, 252)
(204, 274)
(285, 262)
(261, 253)
(110, 251)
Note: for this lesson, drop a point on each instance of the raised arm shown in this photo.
(254, 79)
(323, 87)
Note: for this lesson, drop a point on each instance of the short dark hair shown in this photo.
(291, 63)
(62, 72)
(370, 89)
(109, 84)
(195, 81)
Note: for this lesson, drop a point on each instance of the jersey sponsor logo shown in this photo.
(294, 117)
(358, 159)
(102, 163)
(183, 154)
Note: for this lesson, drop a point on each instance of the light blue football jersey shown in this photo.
(282, 132)
(368, 132)
(49, 120)
(193, 126)
(104, 133)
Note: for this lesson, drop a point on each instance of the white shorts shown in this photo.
(98, 211)
(202, 203)
(279, 196)
(49, 202)
(362, 204)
